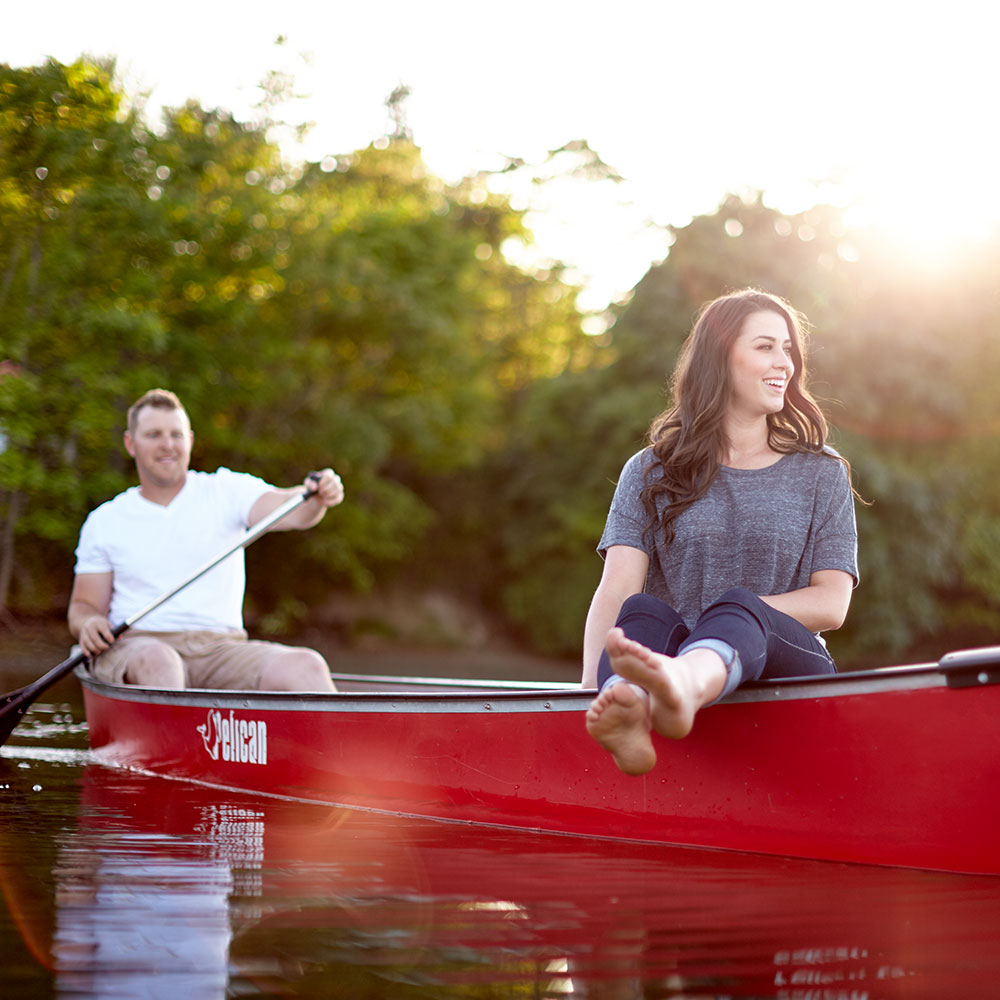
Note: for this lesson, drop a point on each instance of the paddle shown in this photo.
(15, 704)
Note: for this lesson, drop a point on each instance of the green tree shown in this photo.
(358, 312)
(74, 298)
(415, 334)
(908, 369)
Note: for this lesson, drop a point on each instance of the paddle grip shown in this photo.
(315, 477)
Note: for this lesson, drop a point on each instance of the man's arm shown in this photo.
(87, 616)
(329, 493)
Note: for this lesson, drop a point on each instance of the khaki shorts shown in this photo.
(211, 659)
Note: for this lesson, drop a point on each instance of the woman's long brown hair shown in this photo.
(688, 439)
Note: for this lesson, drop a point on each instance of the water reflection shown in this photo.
(126, 885)
(140, 923)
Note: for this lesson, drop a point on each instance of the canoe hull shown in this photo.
(878, 772)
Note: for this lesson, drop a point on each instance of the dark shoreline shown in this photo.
(33, 646)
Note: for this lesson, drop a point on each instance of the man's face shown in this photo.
(161, 446)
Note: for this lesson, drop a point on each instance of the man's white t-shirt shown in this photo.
(150, 548)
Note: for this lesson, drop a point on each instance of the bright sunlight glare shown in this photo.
(932, 216)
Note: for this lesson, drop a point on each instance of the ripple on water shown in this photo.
(60, 724)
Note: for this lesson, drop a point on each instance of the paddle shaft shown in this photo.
(16, 703)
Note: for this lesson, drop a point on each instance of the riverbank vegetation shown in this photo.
(363, 313)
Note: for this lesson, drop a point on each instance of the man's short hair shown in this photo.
(160, 399)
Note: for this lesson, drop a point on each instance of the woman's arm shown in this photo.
(624, 575)
(822, 605)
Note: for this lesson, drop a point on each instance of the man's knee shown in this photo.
(297, 669)
(155, 664)
(311, 664)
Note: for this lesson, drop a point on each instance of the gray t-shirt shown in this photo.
(763, 529)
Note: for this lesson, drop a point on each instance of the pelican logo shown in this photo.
(226, 737)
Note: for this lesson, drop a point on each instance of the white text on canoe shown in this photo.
(228, 737)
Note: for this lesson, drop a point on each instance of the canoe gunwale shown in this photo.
(381, 693)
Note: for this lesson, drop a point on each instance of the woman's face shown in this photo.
(761, 365)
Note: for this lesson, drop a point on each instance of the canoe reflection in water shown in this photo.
(170, 889)
(127, 918)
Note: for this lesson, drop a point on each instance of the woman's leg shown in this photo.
(738, 638)
(768, 643)
(648, 620)
(619, 718)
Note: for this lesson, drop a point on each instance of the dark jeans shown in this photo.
(769, 642)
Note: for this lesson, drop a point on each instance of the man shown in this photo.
(144, 541)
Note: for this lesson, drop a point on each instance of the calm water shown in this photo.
(117, 884)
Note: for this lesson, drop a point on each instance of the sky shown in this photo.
(891, 107)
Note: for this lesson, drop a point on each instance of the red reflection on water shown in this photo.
(192, 889)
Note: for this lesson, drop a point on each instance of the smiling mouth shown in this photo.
(775, 383)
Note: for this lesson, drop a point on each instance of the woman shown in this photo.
(730, 543)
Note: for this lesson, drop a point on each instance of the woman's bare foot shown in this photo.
(618, 718)
(677, 686)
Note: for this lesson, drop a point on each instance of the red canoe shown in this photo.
(898, 766)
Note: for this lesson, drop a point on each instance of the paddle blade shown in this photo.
(14, 705)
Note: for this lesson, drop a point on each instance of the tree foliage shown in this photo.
(907, 362)
(361, 312)
(357, 312)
